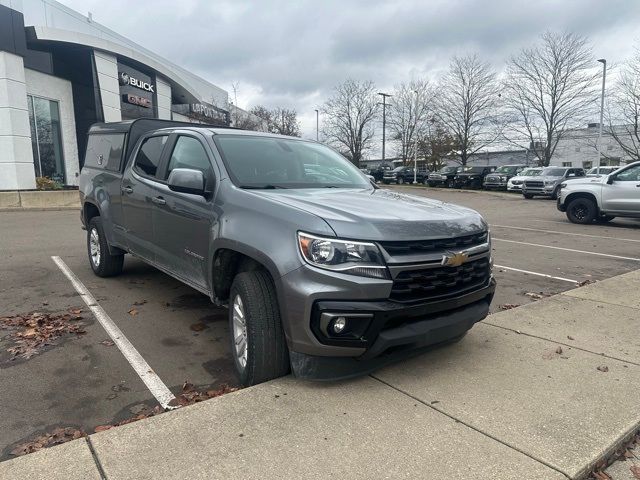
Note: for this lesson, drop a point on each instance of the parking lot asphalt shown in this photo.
(83, 381)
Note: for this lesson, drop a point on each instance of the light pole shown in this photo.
(317, 125)
(604, 78)
(415, 141)
(384, 119)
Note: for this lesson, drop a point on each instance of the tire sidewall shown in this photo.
(243, 373)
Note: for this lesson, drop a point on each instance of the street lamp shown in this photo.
(317, 125)
(415, 141)
(604, 78)
(384, 118)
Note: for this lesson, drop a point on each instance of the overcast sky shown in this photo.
(292, 53)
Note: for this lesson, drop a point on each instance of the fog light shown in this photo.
(339, 324)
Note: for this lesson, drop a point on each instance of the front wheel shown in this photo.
(102, 262)
(528, 196)
(450, 184)
(581, 210)
(258, 344)
(400, 181)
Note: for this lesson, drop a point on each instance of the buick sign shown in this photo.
(126, 79)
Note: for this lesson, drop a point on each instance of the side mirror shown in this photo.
(610, 179)
(186, 180)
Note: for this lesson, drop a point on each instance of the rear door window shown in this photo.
(149, 155)
(105, 151)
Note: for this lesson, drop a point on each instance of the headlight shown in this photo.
(563, 185)
(345, 256)
(549, 183)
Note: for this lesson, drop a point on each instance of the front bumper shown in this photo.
(541, 192)
(393, 329)
(411, 330)
(498, 185)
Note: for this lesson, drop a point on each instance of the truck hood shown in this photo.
(379, 214)
(585, 180)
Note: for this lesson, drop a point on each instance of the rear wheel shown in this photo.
(102, 262)
(528, 196)
(258, 344)
(400, 180)
(450, 184)
(431, 184)
(581, 210)
(554, 195)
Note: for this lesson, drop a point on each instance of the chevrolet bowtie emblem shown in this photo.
(454, 259)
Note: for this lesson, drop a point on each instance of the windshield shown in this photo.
(530, 172)
(268, 162)
(399, 169)
(506, 169)
(449, 170)
(554, 172)
(468, 169)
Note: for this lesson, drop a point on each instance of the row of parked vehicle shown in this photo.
(530, 181)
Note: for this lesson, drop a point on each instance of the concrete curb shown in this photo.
(501, 404)
(39, 200)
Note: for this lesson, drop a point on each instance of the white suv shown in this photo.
(602, 198)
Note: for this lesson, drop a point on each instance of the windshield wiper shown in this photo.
(261, 187)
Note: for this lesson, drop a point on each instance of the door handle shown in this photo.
(127, 190)
(159, 201)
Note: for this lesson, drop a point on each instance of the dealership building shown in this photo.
(60, 72)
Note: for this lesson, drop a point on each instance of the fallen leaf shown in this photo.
(76, 311)
(139, 302)
(107, 343)
(635, 470)
(570, 337)
(198, 327)
(603, 368)
(102, 428)
(508, 306)
(559, 350)
(536, 296)
(585, 282)
(133, 312)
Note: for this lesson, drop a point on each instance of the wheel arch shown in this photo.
(587, 195)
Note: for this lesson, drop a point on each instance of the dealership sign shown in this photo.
(136, 100)
(126, 79)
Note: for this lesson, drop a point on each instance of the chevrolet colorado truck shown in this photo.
(602, 198)
(322, 272)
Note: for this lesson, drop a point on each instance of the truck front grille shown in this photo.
(424, 246)
(440, 282)
(533, 184)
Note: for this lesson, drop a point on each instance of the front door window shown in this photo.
(46, 138)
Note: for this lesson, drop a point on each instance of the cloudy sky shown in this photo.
(292, 53)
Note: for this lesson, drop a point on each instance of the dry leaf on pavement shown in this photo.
(133, 312)
(508, 306)
(603, 368)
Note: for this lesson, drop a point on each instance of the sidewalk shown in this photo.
(525, 395)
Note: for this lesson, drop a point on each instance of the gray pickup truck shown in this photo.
(322, 272)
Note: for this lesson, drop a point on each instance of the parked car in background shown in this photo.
(515, 183)
(471, 176)
(602, 198)
(594, 172)
(378, 172)
(402, 175)
(547, 184)
(498, 179)
(443, 177)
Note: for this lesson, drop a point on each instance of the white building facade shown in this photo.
(60, 72)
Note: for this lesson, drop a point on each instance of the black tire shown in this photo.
(431, 184)
(400, 181)
(582, 210)
(528, 196)
(103, 264)
(385, 182)
(267, 352)
(554, 195)
(451, 184)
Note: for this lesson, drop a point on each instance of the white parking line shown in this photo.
(139, 364)
(567, 249)
(536, 274)
(566, 233)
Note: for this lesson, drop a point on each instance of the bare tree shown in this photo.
(466, 104)
(623, 112)
(278, 120)
(409, 115)
(436, 146)
(349, 118)
(549, 89)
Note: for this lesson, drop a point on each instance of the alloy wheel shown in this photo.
(240, 331)
(94, 247)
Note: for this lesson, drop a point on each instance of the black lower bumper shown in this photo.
(399, 331)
